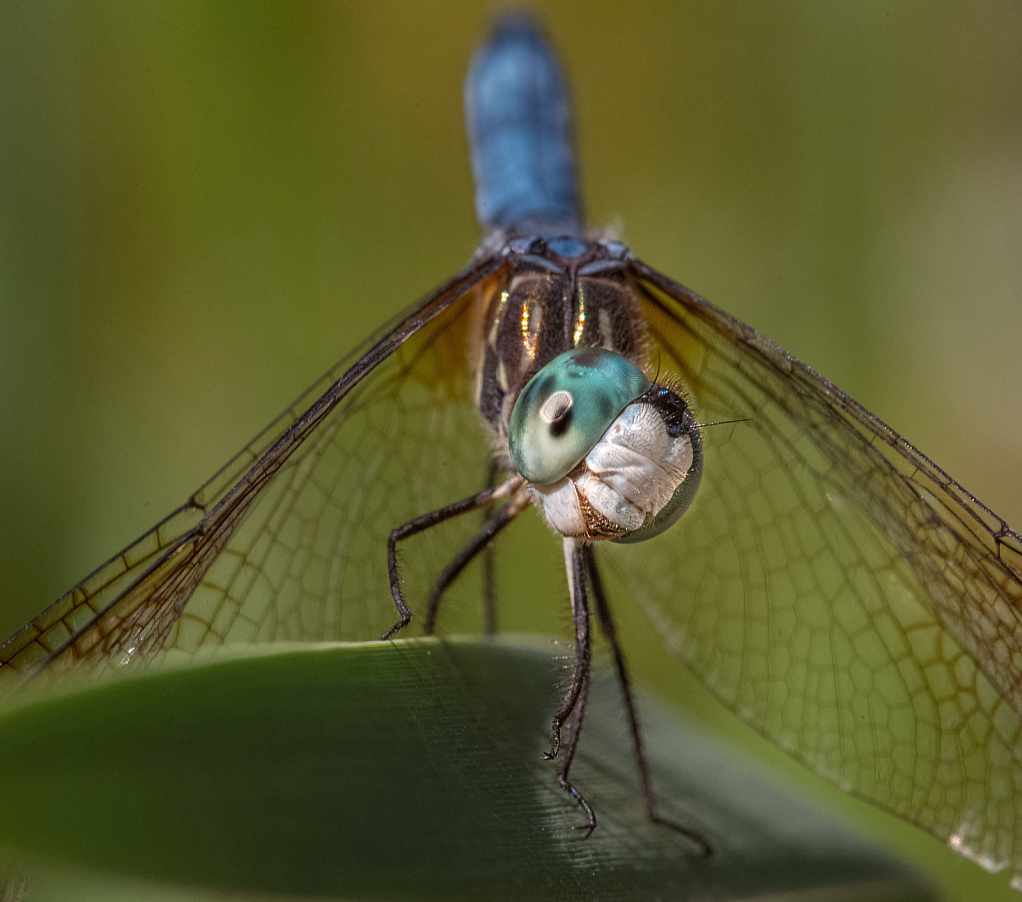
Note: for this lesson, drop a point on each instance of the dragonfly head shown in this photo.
(609, 454)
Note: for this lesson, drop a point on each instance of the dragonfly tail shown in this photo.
(520, 133)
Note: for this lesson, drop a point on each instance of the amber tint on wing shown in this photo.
(288, 541)
(830, 584)
(837, 590)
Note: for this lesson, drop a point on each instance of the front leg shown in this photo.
(575, 725)
(610, 632)
(574, 565)
(482, 541)
(426, 521)
(574, 707)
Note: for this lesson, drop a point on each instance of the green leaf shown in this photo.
(408, 770)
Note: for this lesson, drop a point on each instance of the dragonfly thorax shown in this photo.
(560, 380)
(555, 295)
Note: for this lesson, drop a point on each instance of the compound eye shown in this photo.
(566, 408)
(680, 501)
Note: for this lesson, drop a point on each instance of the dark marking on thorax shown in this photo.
(550, 305)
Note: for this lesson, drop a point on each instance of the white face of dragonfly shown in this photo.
(608, 454)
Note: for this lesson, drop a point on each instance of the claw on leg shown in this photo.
(610, 633)
(575, 567)
(573, 708)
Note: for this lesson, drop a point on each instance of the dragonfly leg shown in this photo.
(427, 521)
(583, 645)
(610, 632)
(575, 725)
(481, 541)
(490, 567)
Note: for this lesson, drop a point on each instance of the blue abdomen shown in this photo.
(520, 133)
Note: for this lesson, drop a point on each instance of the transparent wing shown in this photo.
(288, 541)
(836, 589)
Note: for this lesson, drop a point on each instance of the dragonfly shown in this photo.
(827, 581)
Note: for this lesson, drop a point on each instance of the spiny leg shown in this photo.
(490, 567)
(610, 633)
(426, 521)
(575, 725)
(490, 589)
(573, 563)
(481, 541)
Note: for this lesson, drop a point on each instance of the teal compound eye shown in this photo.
(566, 408)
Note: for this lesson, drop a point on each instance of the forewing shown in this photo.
(836, 589)
(288, 540)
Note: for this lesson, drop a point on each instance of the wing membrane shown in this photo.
(838, 590)
(279, 542)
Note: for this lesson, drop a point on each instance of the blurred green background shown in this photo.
(204, 205)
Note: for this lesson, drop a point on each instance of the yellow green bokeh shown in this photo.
(204, 205)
